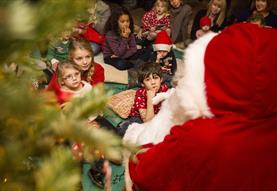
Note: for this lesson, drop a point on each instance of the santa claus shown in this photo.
(228, 92)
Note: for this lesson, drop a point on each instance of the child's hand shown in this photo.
(54, 63)
(166, 69)
(125, 32)
(152, 29)
(159, 55)
(152, 35)
(150, 94)
(114, 56)
(139, 35)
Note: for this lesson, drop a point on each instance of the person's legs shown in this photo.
(118, 63)
(141, 56)
(123, 126)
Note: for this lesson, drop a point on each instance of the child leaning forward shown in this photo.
(150, 79)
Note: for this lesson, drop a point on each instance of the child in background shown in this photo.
(69, 79)
(58, 49)
(81, 54)
(99, 14)
(164, 56)
(150, 78)
(205, 24)
(84, 30)
(153, 22)
(120, 49)
(120, 44)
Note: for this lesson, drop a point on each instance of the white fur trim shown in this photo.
(165, 47)
(191, 90)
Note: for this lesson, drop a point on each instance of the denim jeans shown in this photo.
(123, 126)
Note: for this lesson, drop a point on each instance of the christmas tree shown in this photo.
(32, 130)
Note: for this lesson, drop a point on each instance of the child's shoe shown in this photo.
(97, 177)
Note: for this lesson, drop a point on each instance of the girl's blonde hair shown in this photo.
(165, 3)
(62, 65)
(83, 45)
(220, 18)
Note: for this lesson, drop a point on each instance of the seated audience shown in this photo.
(153, 22)
(150, 79)
(180, 14)
(205, 24)
(81, 54)
(164, 56)
(216, 11)
(120, 49)
(264, 8)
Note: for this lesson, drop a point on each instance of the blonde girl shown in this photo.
(216, 11)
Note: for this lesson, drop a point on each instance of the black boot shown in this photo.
(97, 177)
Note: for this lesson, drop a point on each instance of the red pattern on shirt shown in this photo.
(150, 19)
(140, 101)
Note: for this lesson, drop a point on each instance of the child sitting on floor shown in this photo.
(120, 45)
(205, 24)
(150, 78)
(69, 79)
(58, 49)
(164, 56)
(153, 22)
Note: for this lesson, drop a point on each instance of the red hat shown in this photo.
(162, 42)
(204, 21)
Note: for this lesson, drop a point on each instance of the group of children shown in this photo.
(149, 53)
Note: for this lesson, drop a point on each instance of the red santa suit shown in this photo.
(236, 149)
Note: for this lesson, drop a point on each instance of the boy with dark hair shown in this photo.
(150, 79)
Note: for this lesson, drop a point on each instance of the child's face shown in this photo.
(82, 58)
(65, 35)
(206, 28)
(215, 7)
(261, 5)
(123, 22)
(175, 3)
(71, 78)
(161, 53)
(160, 8)
(152, 82)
